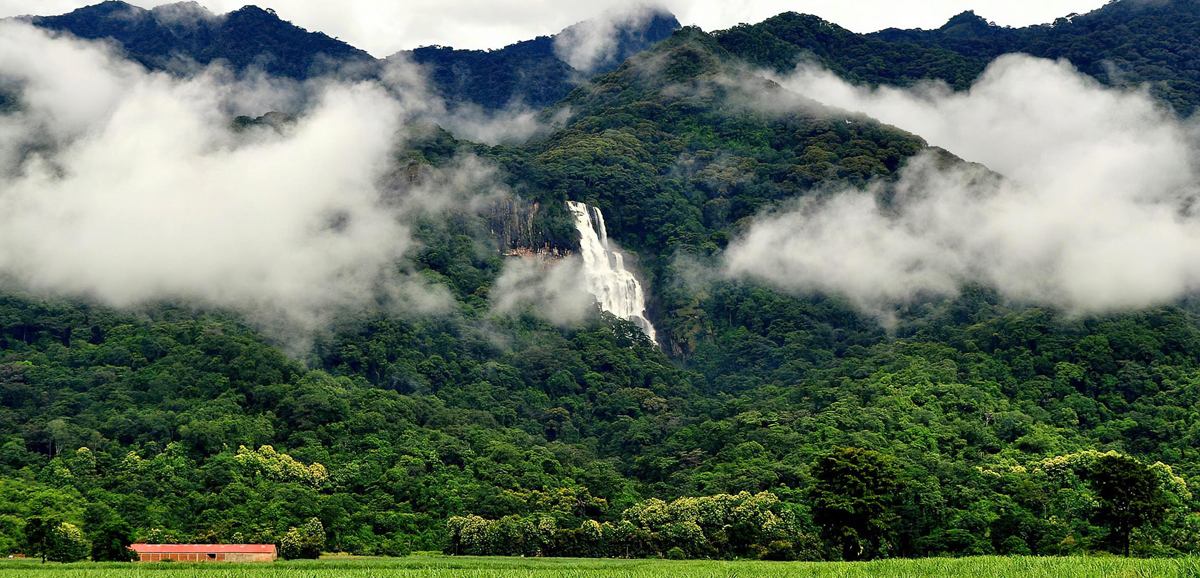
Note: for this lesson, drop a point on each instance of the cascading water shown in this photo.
(617, 290)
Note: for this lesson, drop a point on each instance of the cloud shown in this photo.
(183, 14)
(1096, 213)
(595, 42)
(514, 124)
(130, 187)
(552, 290)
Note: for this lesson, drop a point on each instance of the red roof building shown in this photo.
(205, 552)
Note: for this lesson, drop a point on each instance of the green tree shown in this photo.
(1129, 497)
(109, 534)
(39, 535)
(67, 544)
(854, 501)
(307, 541)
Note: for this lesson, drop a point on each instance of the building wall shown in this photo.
(249, 557)
(206, 557)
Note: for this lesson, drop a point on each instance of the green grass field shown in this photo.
(465, 567)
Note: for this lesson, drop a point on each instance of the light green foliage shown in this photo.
(265, 461)
(722, 526)
(307, 541)
(66, 543)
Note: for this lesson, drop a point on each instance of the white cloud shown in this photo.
(131, 187)
(594, 43)
(552, 290)
(514, 124)
(1097, 213)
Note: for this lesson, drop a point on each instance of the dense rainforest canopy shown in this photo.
(765, 424)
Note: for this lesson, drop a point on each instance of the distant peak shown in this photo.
(110, 7)
(252, 10)
(792, 16)
(967, 18)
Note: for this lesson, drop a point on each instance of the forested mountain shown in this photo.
(174, 36)
(1122, 43)
(531, 72)
(764, 424)
(177, 37)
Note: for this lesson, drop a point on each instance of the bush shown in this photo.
(67, 544)
(395, 546)
(780, 550)
(306, 541)
(676, 553)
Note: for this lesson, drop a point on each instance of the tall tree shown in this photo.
(39, 535)
(1129, 497)
(109, 534)
(67, 544)
(854, 501)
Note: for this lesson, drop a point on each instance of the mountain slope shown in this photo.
(532, 72)
(1124, 43)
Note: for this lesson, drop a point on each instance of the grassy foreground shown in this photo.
(468, 567)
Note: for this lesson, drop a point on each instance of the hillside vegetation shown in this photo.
(768, 425)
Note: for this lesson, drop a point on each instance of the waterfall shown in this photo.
(604, 273)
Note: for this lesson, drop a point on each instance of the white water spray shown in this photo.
(617, 290)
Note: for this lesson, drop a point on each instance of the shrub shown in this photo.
(67, 544)
(306, 541)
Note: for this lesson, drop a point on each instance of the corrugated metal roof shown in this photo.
(202, 548)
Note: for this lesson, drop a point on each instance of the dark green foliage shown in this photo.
(786, 40)
(54, 540)
(109, 534)
(1129, 497)
(39, 535)
(529, 72)
(249, 37)
(854, 498)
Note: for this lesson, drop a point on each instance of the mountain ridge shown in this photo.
(249, 36)
(171, 36)
(1124, 43)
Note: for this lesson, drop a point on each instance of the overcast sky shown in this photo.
(384, 26)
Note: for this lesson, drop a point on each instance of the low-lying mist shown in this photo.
(1094, 213)
(131, 187)
(128, 187)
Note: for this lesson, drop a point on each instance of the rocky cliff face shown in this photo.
(520, 231)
